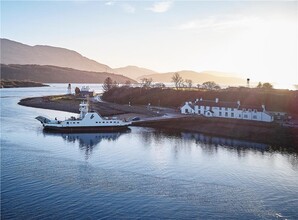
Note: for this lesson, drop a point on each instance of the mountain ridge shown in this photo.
(13, 52)
(55, 74)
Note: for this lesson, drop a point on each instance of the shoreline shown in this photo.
(267, 133)
(20, 84)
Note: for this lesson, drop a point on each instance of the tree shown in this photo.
(259, 85)
(189, 83)
(159, 85)
(77, 91)
(115, 84)
(177, 79)
(107, 84)
(127, 83)
(267, 85)
(146, 82)
(210, 85)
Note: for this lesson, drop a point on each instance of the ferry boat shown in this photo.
(88, 121)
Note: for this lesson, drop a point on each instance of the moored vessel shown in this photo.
(88, 121)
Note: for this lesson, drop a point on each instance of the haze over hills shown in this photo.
(13, 52)
(54, 74)
(198, 78)
(134, 72)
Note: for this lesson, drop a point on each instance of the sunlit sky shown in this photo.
(255, 39)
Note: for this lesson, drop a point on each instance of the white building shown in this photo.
(222, 109)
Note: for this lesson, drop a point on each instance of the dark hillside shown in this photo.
(274, 99)
(54, 74)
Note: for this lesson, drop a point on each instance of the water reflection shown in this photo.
(88, 141)
(225, 142)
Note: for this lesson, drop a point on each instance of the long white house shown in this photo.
(216, 108)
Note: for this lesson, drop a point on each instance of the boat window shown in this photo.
(96, 122)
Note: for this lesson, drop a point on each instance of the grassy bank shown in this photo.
(274, 99)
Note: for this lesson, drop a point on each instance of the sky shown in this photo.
(254, 39)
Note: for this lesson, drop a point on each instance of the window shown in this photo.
(232, 109)
(245, 116)
(226, 114)
(254, 117)
(67, 122)
(244, 110)
(78, 122)
(255, 110)
(232, 115)
(219, 113)
(249, 110)
(239, 116)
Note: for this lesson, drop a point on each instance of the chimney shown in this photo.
(238, 103)
(263, 107)
(216, 100)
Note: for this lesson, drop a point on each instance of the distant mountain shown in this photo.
(54, 74)
(134, 72)
(198, 78)
(50, 58)
(13, 52)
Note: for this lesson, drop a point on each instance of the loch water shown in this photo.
(140, 174)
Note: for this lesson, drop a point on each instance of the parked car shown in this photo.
(135, 119)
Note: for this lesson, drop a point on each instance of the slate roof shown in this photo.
(217, 104)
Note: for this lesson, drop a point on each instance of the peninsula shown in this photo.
(19, 83)
(167, 117)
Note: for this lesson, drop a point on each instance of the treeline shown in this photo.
(274, 99)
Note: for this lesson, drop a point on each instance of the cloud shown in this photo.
(129, 8)
(220, 23)
(161, 7)
(110, 3)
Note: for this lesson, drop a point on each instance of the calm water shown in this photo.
(141, 174)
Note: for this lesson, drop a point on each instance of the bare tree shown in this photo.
(210, 85)
(189, 83)
(259, 85)
(267, 86)
(146, 82)
(115, 84)
(107, 84)
(77, 91)
(127, 83)
(177, 79)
